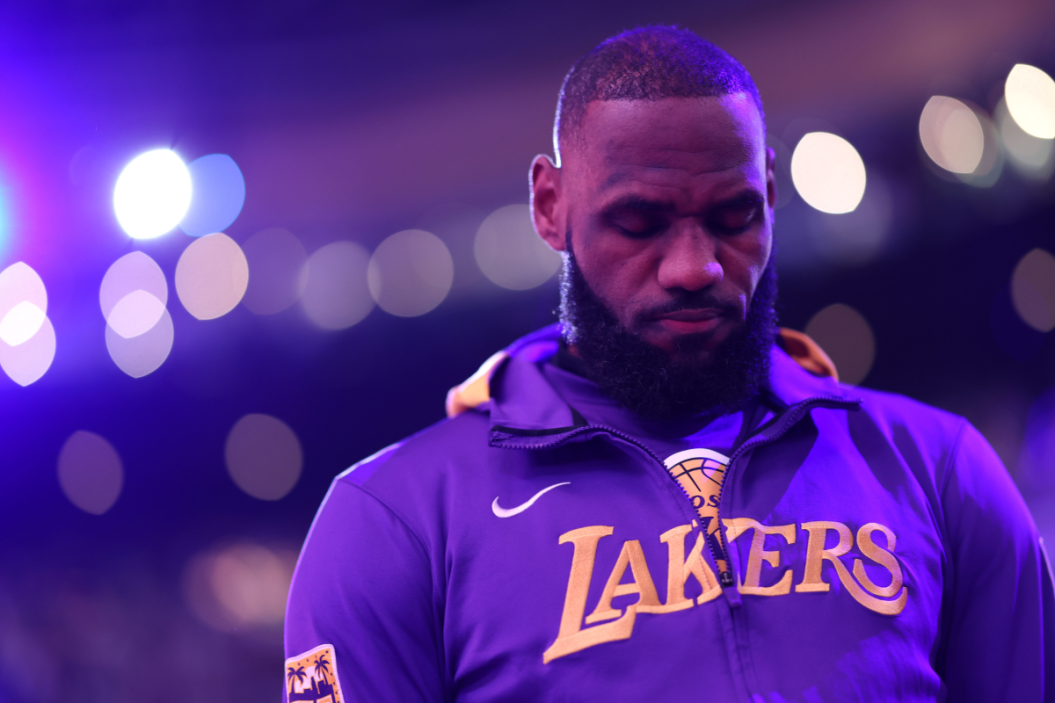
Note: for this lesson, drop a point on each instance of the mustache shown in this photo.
(692, 300)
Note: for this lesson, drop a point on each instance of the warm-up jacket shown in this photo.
(876, 551)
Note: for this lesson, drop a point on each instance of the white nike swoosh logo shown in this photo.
(499, 511)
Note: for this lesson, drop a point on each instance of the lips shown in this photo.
(695, 321)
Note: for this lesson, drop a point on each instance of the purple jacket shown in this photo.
(877, 551)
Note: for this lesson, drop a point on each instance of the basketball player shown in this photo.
(663, 497)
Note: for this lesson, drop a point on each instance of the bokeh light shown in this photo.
(211, 276)
(828, 173)
(132, 272)
(410, 273)
(456, 224)
(23, 303)
(152, 194)
(240, 586)
(847, 338)
(219, 194)
(1030, 96)
(21, 323)
(276, 258)
(135, 314)
(26, 363)
(1033, 290)
(335, 293)
(509, 252)
(1031, 156)
(90, 472)
(263, 456)
(951, 134)
(143, 354)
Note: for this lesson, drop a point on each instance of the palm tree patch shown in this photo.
(313, 677)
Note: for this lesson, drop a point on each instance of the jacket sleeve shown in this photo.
(364, 586)
(999, 612)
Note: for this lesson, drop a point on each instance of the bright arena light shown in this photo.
(90, 472)
(263, 456)
(143, 354)
(828, 173)
(152, 194)
(1033, 290)
(23, 303)
(240, 586)
(509, 252)
(951, 134)
(211, 276)
(219, 194)
(276, 258)
(847, 338)
(333, 279)
(1030, 96)
(410, 273)
(30, 360)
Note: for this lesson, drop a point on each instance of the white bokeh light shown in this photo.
(135, 314)
(828, 173)
(21, 323)
(510, 253)
(335, 293)
(410, 273)
(143, 354)
(951, 134)
(23, 303)
(30, 360)
(1030, 96)
(211, 276)
(152, 194)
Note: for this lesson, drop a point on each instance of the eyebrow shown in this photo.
(748, 197)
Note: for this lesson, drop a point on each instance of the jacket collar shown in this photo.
(523, 404)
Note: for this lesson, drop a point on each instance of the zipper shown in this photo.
(791, 417)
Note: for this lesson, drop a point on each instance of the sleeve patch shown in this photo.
(312, 676)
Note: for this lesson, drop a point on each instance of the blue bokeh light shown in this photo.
(219, 193)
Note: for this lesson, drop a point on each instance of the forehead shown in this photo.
(673, 138)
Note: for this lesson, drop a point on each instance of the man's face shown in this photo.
(670, 203)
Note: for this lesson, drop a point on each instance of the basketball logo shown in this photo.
(700, 473)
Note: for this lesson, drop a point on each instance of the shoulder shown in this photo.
(420, 478)
(907, 418)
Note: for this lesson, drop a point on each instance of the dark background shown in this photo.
(354, 121)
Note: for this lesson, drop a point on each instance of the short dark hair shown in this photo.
(648, 63)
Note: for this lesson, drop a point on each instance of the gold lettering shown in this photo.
(883, 557)
(816, 554)
(679, 569)
(632, 556)
(571, 637)
(750, 586)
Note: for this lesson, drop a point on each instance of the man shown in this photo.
(661, 498)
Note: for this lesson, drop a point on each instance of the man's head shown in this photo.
(662, 204)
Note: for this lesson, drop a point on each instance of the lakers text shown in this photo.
(579, 631)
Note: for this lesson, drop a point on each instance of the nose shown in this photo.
(689, 259)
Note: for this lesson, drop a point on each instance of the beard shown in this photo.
(661, 386)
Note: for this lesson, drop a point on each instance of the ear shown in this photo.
(771, 178)
(547, 202)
